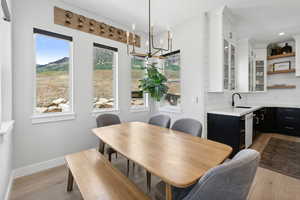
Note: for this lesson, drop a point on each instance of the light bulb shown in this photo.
(133, 27)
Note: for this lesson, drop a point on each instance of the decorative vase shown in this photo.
(286, 49)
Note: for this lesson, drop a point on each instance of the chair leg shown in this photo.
(133, 167)
(148, 181)
(109, 157)
(101, 147)
(128, 163)
(70, 181)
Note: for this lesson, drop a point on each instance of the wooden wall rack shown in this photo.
(79, 22)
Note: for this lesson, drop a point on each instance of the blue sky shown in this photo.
(49, 49)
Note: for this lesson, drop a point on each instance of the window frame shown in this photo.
(38, 118)
(138, 108)
(170, 108)
(115, 69)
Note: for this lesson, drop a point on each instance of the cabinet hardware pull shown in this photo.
(290, 128)
(289, 118)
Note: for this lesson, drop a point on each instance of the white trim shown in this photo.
(38, 167)
(9, 187)
(139, 109)
(6, 127)
(96, 112)
(170, 109)
(46, 118)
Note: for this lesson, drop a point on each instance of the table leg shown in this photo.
(148, 181)
(168, 192)
(101, 146)
(70, 181)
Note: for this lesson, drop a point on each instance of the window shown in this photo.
(138, 98)
(53, 73)
(171, 69)
(104, 78)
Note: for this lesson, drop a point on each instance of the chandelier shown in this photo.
(152, 50)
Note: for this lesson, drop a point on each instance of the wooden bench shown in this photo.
(97, 179)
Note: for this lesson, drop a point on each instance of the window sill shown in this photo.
(139, 109)
(53, 117)
(96, 112)
(170, 109)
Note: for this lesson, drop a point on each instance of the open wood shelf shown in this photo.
(282, 71)
(281, 87)
(281, 56)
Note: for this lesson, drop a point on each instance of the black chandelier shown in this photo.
(152, 51)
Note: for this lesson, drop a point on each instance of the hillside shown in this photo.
(58, 65)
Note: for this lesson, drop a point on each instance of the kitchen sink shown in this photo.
(245, 107)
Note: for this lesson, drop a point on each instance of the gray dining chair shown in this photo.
(231, 180)
(190, 126)
(160, 120)
(108, 120)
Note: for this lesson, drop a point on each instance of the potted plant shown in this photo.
(154, 83)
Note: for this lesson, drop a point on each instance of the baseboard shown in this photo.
(31, 169)
(9, 186)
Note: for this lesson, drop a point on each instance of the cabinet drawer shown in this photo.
(290, 128)
(289, 112)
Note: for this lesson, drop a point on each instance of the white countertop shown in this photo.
(235, 111)
(244, 111)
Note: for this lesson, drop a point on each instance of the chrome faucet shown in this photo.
(233, 104)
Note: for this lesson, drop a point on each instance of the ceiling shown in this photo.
(164, 12)
(261, 20)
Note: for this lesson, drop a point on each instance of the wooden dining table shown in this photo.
(179, 159)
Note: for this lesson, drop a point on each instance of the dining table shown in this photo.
(178, 158)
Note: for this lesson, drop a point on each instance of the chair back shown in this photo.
(160, 120)
(229, 181)
(190, 126)
(107, 120)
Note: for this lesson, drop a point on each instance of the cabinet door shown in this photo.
(251, 72)
(259, 75)
(232, 67)
(226, 65)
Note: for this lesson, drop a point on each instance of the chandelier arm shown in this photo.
(160, 49)
(156, 52)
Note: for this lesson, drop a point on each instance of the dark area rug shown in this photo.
(282, 156)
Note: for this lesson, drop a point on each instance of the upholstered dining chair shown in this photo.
(229, 181)
(108, 120)
(187, 125)
(160, 120)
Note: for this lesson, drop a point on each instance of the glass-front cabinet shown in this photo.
(229, 66)
(259, 75)
(226, 65)
(232, 67)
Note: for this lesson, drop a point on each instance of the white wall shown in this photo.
(5, 105)
(42, 142)
(190, 38)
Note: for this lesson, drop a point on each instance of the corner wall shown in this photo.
(43, 142)
(190, 37)
(6, 141)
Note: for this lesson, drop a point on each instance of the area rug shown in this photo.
(282, 156)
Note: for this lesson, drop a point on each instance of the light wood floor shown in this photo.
(51, 184)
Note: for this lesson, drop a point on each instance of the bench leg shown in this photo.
(101, 147)
(148, 181)
(70, 181)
